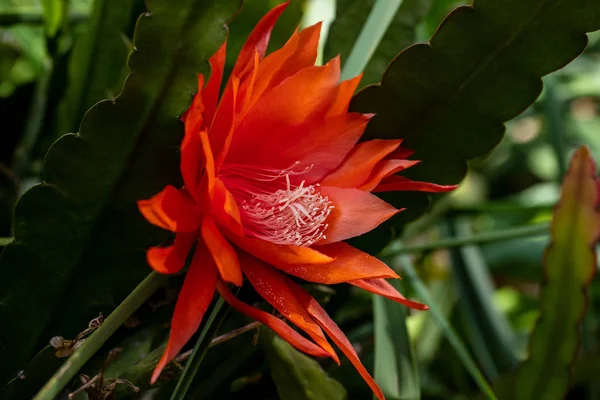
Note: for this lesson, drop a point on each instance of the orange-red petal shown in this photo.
(385, 289)
(171, 209)
(275, 254)
(399, 183)
(336, 334)
(192, 164)
(384, 169)
(343, 96)
(359, 164)
(298, 53)
(225, 208)
(194, 298)
(258, 39)
(221, 130)
(354, 213)
(349, 264)
(210, 94)
(285, 107)
(274, 288)
(170, 259)
(194, 116)
(280, 327)
(223, 253)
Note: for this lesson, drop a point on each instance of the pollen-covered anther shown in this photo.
(291, 216)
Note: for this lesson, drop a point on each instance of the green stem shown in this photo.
(204, 340)
(92, 344)
(458, 346)
(5, 241)
(508, 234)
(377, 23)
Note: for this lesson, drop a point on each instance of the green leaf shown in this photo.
(97, 66)
(54, 14)
(437, 313)
(296, 375)
(79, 239)
(569, 266)
(396, 369)
(448, 98)
(492, 339)
(351, 17)
(33, 376)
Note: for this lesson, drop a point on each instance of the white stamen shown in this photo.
(274, 208)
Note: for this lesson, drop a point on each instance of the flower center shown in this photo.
(275, 209)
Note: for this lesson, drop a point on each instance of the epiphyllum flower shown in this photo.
(274, 182)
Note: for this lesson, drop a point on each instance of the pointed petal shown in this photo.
(383, 169)
(191, 164)
(343, 96)
(292, 111)
(258, 39)
(209, 162)
(359, 164)
(223, 204)
(385, 289)
(170, 260)
(226, 209)
(277, 325)
(210, 93)
(194, 298)
(399, 183)
(336, 334)
(273, 287)
(318, 145)
(349, 264)
(221, 130)
(401, 153)
(222, 252)
(278, 254)
(355, 212)
(172, 210)
(298, 53)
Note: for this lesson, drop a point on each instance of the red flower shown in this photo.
(274, 182)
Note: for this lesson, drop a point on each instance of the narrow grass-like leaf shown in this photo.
(352, 16)
(569, 265)
(452, 337)
(396, 369)
(79, 239)
(208, 332)
(97, 66)
(485, 323)
(296, 375)
(449, 98)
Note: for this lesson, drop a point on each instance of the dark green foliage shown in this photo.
(80, 241)
(97, 65)
(449, 99)
(351, 16)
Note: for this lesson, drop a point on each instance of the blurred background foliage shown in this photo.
(59, 57)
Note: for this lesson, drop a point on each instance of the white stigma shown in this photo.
(295, 215)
